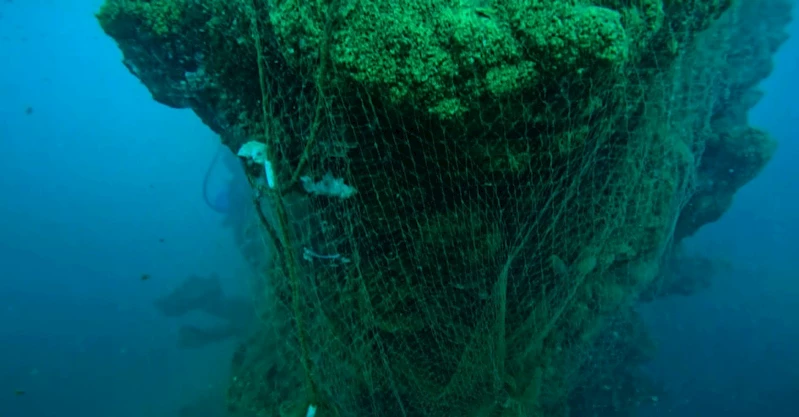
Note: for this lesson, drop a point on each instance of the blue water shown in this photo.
(100, 185)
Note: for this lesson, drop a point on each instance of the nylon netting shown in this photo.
(489, 233)
(460, 196)
(481, 248)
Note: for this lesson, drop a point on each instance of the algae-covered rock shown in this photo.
(450, 58)
(442, 58)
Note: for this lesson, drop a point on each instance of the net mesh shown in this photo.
(460, 196)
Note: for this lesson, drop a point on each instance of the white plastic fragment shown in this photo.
(256, 152)
(270, 174)
(310, 255)
(311, 411)
(329, 186)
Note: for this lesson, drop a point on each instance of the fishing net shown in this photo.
(456, 197)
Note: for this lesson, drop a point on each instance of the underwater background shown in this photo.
(104, 209)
